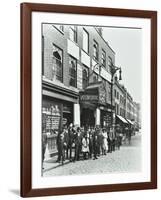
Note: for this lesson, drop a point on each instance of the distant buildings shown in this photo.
(125, 106)
(76, 80)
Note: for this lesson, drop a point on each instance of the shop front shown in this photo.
(94, 109)
(106, 117)
(87, 115)
(122, 123)
(58, 109)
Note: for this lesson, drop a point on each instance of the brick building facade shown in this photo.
(76, 79)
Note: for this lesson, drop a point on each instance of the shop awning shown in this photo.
(122, 119)
(130, 122)
(94, 86)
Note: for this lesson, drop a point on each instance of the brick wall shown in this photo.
(53, 36)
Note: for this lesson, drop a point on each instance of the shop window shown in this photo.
(85, 77)
(73, 33)
(57, 64)
(72, 72)
(85, 41)
(95, 50)
(103, 59)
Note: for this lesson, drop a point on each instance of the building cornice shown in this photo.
(48, 85)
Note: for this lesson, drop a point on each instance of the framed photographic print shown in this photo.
(88, 99)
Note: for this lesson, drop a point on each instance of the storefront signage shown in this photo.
(51, 115)
(102, 94)
(88, 97)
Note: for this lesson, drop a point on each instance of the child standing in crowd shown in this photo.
(87, 142)
(85, 146)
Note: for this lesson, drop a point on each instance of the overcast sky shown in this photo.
(127, 44)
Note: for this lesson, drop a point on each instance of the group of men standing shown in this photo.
(74, 143)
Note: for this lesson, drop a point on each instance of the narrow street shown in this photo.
(127, 159)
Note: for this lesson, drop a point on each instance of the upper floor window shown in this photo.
(85, 77)
(95, 50)
(116, 108)
(73, 33)
(60, 27)
(110, 63)
(103, 59)
(95, 77)
(120, 99)
(72, 72)
(85, 41)
(104, 82)
(115, 92)
(117, 95)
(57, 64)
(99, 30)
(121, 111)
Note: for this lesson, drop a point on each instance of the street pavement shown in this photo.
(127, 159)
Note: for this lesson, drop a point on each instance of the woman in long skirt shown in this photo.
(104, 138)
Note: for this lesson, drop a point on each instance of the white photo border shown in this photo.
(65, 181)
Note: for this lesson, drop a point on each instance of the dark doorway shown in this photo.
(87, 117)
(67, 114)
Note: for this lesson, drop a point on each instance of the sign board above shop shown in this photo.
(95, 93)
(89, 97)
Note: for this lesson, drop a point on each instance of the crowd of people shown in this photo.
(75, 143)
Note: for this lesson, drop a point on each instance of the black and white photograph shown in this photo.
(91, 99)
(88, 100)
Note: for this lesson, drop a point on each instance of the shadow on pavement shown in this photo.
(54, 167)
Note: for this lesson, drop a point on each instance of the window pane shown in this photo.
(73, 33)
(60, 27)
(85, 41)
(95, 50)
(57, 64)
(95, 77)
(85, 77)
(72, 72)
(103, 61)
(110, 63)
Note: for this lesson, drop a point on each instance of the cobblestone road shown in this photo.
(127, 159)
